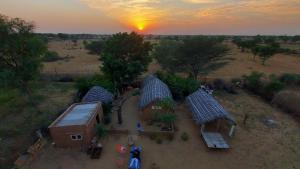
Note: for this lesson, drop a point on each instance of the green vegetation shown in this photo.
(179, 86)
(94, 47)
(83, 84)
(192, 55)
(264, 47)
(290, 79)
(266, 52)
(101, 131)
(21, 53)
(266, 87)
(166, 53)
(51, 56)
(166, 103)
(125, 56)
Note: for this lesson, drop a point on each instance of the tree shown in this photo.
(255, 51)
(200, 54)
(125, 57)
(165, 53)
(21, 52)
(266, 52)
(94, 47)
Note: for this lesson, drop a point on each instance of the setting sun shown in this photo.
(140, 27)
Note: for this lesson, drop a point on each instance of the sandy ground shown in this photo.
(77, 60)
(253, 146)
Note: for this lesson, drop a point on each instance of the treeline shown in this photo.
(263, 46)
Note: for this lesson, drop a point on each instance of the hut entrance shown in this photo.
(97, 119)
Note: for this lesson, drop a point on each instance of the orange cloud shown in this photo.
(149, 14)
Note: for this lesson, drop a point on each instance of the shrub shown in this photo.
(51, 56)
(290, 79)
(184, 136)
(85, 83)
(101, 131)
(274, 85)
(271, 89)
(179, 86)
(253, 82)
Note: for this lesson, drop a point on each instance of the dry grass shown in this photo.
(243, 63)
(253, 146)
(83, 63)
(79, 62)
(288, 100)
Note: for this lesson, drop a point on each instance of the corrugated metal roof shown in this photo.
(152, 90)
(78, 115)
(205, 108)
(98, 93)
(147, 79)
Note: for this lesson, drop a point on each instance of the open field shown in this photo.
(81, 63)
(256, 145)
(19, 119)
(243, 63)
(77, 60)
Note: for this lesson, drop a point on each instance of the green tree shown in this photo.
(266, 52)
(200, 54)
(165, 53)
(94, 47)
(125, 57)
(21, 52)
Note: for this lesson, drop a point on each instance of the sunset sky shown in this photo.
(248, 17)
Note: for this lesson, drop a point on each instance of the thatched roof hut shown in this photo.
(205, 108)
(98, 93)
(153, 89)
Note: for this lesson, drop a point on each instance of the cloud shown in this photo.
(184, 13)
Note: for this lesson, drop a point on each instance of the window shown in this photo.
(76, 137)
(156, 107)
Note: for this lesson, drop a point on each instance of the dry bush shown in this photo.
(288, 100)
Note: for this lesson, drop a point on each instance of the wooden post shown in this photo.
(202, 128)
(231, 130)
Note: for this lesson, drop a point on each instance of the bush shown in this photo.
(253, 82)
(85, 83)
(184, 136)
(179, 86)
(274, 85)
(101, 131)
(51, 56)
(290, 79)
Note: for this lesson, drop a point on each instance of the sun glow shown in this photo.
(140, 27)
